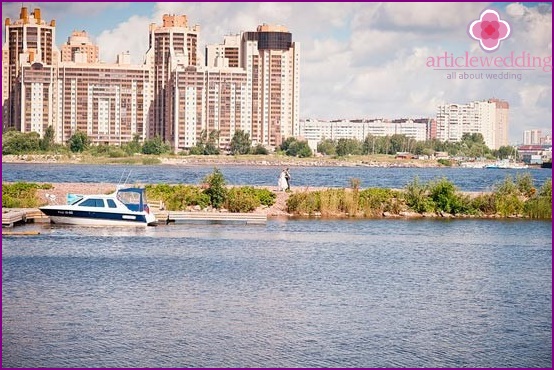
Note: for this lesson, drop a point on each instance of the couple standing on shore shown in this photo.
(284, 180)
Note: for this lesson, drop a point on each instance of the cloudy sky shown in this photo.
(358, 60)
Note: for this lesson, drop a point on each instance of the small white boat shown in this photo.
(124, 207)
(506, 164)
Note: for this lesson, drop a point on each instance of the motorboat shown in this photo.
(124, 207)
(506, 164)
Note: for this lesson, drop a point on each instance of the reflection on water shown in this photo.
(302, 293)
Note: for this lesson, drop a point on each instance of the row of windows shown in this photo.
(93, 202)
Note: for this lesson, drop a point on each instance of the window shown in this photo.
(92, 203)
(111, 203)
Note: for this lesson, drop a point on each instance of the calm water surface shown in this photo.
(292, 293)
(468, 179)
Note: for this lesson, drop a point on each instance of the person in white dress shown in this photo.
(282, 183)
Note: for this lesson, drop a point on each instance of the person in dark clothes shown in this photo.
(287, 177)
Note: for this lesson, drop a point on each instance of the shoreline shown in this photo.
(270, 160)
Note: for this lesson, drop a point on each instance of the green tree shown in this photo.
(216, 188)
(47, 141)
(260, 149)
(15, 142)
(299, 149)
(327, 147)
(207, 143)
(285, 144)
(348, 146)
(133, 146)
(240, 143)
(504, 152)
(155, 146)
(78, 142)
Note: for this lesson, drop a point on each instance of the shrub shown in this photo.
(524, 184)
(374, 201)
(241, 200)
(177, 197)
(541, 205)
(216, 190)
(444, 195)
(304, 203)
(508, 200)
(483, 204)
(266, 197)
(416, 198)
(21, 194)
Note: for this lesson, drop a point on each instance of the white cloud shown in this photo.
(130, 36)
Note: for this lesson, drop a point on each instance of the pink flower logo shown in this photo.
(489, 29)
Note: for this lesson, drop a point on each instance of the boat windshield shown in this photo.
(133, 198)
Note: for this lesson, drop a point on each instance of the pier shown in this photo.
(14, 217)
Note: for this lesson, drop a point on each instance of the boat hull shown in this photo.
(86, 218)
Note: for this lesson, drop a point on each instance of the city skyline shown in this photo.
(359, 60)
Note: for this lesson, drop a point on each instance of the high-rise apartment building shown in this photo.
(172, 44)
(29, 42)
(532, 137)
(270, 60)
(487, 117)
(249, 83)
(79, 49)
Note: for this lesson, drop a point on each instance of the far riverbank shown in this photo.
(379, 161)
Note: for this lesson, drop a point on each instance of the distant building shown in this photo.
(487, 117)
(315, 131)
(532, 137)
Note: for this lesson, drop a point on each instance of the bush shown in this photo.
(445, 197)
(177, 197)
(374, 201)
(416, 198)
(241, 200)
(508, 198)
(21, 194)
(216, 190)
(266, 197)
(304, 203)
(540, 206)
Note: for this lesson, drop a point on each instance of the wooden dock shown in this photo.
(168, 217)
(12, 217)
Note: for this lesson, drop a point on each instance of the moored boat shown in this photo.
(506, 164)
(124, 207)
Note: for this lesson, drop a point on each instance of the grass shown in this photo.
(509, 199)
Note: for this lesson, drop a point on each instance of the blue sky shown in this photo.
(358, 60)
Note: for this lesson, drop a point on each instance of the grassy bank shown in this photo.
(437, 198)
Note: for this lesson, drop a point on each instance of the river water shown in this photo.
(292, 293)
(468, 179)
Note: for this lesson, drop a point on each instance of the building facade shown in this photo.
(251, 83)
(314, 131)
(29, 42)
(79, 49)
(487, 117)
